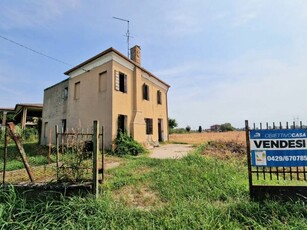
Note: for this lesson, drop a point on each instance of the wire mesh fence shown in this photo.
(73, 158)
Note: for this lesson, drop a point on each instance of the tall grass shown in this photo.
(195, 192)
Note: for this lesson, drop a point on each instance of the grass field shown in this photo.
(198, 138)
(204, 190)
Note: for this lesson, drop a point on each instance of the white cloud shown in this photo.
(32, 13)
(254, 88)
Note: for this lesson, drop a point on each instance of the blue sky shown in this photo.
(226, 61)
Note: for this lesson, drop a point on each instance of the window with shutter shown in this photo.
(120, 82)
(116, 80)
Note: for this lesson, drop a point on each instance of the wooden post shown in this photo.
(5, 155)
(24, 117)
(250, 176)
(21, 149)
(50, 139)
(95, 158)
(57, 151)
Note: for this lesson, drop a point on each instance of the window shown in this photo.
(65, 96)
(145, 92)
(63, 125)
(120, 82)
(121, 123)
(45, 129)
(102, 81)
(159, 97)
(77, 90)
(148, 122)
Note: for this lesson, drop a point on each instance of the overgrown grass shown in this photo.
(195, 192)
(37, 155)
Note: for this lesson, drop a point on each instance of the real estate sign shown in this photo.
(278, 148)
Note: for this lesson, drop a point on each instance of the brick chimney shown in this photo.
(135, 54)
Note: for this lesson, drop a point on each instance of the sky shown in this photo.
(226, 61)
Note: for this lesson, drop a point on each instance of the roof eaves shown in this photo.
(111, 49)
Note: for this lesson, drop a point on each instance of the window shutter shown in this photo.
(116, 80)
(125, 84)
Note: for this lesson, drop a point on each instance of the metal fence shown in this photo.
(72, 160)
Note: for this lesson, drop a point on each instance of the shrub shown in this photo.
(126, 145)
(188, 128)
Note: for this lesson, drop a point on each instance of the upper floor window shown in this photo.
(65, 96)
(102, 84)
(145, 92)
(77, 90)
(159, 97)
(120, 82)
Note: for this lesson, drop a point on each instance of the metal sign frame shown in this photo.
(277, 155)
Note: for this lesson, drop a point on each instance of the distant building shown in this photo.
(215, 128)
(114, 90)
(24, 114)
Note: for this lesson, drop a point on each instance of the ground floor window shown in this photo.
(63, 125)
(148, 122)
(121, 123)
(45, 129)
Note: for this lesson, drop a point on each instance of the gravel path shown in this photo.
(170, 151)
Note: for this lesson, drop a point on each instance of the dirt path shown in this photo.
(170, 151)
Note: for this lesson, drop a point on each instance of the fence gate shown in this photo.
(277, 160)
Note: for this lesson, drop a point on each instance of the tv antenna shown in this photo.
(127, 33)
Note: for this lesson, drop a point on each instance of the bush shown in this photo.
(178, 131)
(126, 145)
(188, 128)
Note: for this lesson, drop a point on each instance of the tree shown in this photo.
(200, 129)
(188, 128)
(172, 123)
(226, 127)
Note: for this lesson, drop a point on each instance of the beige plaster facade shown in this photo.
(114, 90)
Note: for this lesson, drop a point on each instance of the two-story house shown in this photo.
(116, 91)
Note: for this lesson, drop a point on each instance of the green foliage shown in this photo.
(188, 128)
(126, 145)
(195, 192)
(172, 123)
(226, 127)
(9, 117)
(178, 130)
(30, 134)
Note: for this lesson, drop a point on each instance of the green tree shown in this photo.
(200, 129)
(188, 128)
(172, 123)
(226, 127)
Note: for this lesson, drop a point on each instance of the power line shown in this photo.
(38, 52)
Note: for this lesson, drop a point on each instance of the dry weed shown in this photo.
(198, 138)
(139, 196)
